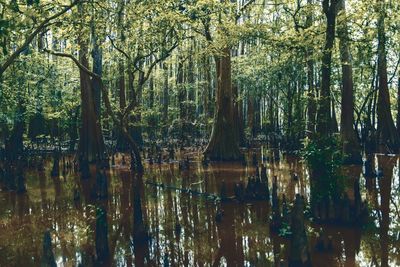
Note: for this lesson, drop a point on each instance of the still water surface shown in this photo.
(242, 238)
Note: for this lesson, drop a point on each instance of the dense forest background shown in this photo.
(147, 70)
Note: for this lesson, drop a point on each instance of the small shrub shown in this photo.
(323, 157)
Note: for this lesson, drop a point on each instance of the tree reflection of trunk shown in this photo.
(227, 237)
(196, 227)
(208, 216)
(370, 182)
(385, 184)
(239, 220)
(126, 213)
(352, 241)
(140, 235)
(59, 212)
(177, 236)
(57, 192)
(276, 248)
(87, 249)
(101, 238)
(43, 191)
(352, 238)
(86, 185)
(156, 226)
(187, 223)
(22, 206)
(169, 218)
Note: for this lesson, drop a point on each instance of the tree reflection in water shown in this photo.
(150, 225)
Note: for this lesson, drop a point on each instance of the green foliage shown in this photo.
(270, 44)
(285, 230)
(323, 156)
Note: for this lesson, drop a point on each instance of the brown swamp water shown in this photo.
(243, 238)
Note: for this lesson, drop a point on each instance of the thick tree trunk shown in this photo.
(121, 142)
(135, 130)
(385, 187)
(14, 144)
(207, 86)
(97, 55)
(224, 144)
(237, 115)
(351, 146)
(91, 145)
(324, 111)
(387, 134)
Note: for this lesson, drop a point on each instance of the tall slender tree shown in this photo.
(351, 146)
(387, 134)
(91, 144)
(324, 124)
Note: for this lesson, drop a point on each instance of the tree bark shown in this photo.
(208, 89)
(335, 126)
(119, 120)
(135, 97)
(224, 144)
(351, 146)
(165, 100)
(14, 146)
(97, 55)
(91, 144)
(181, 98)
(398, 105)
(121, 142)
(387, 134)
(324, 111)
(311, 105)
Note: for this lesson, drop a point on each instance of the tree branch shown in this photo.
(106, 99)
(243, 8)
(147, 75)
(30, 37)
(119, 49)
(107, 104)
